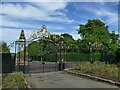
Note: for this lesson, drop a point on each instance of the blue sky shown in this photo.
(59, 17)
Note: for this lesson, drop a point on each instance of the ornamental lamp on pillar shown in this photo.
(22, 36)
(22, 45)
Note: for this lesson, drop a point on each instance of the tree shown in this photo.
(82, 46)
(38, 49)
(71, 43)
(96, 36)
(4, 48)
(93, 32)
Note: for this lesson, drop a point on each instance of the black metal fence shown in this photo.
(40, 67)
(8, 62)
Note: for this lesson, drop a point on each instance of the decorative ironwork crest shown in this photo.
(38, 34)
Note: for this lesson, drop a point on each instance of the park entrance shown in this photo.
(42, 52)
(46, 52)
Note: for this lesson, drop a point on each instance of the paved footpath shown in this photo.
(61, 80)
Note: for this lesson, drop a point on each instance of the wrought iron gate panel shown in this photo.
(38, 67)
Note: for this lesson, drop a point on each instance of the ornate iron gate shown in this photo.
(43, 64)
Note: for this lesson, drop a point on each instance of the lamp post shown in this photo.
(61, 45)
(21, 43)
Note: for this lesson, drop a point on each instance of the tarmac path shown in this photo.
(63, 80)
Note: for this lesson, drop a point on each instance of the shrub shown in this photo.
(14, 80)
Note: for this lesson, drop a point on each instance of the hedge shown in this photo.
(73, 56)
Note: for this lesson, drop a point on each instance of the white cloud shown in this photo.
(43, 11)
(9, 23)
(50, 6)
(76, 36)
(16, 24)
(75, 33)
(111, 16)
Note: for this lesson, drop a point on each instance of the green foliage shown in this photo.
(50, 57)
(96, 35)
(42, 47)
(72, 56)
(68, 38)
(35, 49)
(99, 69)
(113, 45)
(114, 37)
(4, 48)
(94, 30)
(14, 80)
(97, 56)
(70, 42)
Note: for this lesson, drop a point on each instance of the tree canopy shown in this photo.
(93, 32)
(4, 48)
(96, 36)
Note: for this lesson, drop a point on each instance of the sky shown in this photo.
(59, 17)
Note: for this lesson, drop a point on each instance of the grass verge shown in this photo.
(14, 80)
(107, 71)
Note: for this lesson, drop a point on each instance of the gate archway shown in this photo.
(48, 54)
(41, 52)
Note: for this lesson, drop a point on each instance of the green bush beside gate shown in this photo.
(14, 80)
